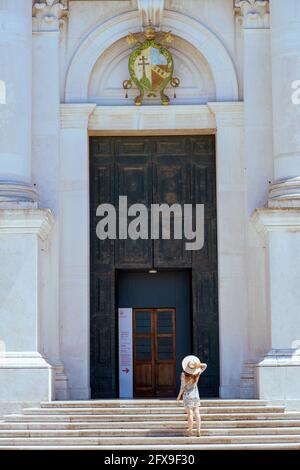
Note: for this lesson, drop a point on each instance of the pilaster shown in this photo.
(75, 232)
(48, 19)
(229, 118)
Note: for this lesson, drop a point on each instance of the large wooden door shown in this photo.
(161, 169)
(154, 352)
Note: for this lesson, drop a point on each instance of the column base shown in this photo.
(17, 192)
(25, 377)
(278, 375)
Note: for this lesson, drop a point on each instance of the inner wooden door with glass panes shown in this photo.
(154, 340)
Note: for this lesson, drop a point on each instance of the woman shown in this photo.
(192, 369)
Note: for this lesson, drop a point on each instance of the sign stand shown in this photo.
(125, 353)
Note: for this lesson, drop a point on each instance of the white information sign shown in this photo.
(125, 353)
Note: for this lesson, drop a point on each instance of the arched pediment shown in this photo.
(212, 58)
(197, 84)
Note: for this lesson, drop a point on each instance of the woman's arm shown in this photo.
(180, 394)
(181, 389)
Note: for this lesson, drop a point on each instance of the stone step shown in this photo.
(166, 448)
(151, 424)
(141, 441)
(150, 417)
(179, 409)
(145, 403)
(214, 425)
(152, 432)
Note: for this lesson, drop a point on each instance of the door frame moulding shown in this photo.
(226, 120)
(152, 120)
(152, 132)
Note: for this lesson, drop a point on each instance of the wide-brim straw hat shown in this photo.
(191, 365)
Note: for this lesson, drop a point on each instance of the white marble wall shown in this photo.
(80, 57)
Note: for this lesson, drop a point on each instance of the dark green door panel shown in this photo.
(102, 337)
(177, 169)
(134, 180)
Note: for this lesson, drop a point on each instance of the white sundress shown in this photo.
(191, 397)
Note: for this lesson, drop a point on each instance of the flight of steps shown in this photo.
(150, 424)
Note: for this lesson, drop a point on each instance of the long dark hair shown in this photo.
(191, 377)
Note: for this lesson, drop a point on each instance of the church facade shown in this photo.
(70, 140)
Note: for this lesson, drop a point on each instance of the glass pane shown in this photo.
(143, 322)
(143, 349)
(165, 348)
(165, 322)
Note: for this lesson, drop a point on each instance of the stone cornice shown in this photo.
(276, 219)
(151, 10)
(253, 14)
(228, 114)
(34, 221)
(49, 15)
(132, 118)
(282, 357)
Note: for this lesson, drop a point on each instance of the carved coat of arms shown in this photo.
(151, 65)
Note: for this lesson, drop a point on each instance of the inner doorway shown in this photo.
(162, 328)
(153, 170)
(154, 352)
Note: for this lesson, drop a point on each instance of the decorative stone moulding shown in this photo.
(151, 10)
(268, 220)
(285, 193)
(31, 221)
(253, 13)
(49, 15)
(13, 192)
(76, 115)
